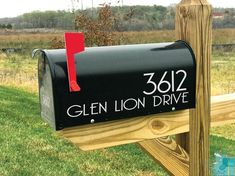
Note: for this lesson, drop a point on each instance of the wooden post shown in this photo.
(193, 24)
(168, 154)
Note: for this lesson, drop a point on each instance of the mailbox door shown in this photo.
(46, 94)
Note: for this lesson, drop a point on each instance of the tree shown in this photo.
(9, 26)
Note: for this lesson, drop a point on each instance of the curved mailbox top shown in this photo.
(117, 82)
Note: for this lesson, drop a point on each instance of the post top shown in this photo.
(194, 2)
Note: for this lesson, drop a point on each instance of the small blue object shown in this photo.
(224, 165)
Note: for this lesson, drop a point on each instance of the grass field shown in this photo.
(28, 41)
(29, 147)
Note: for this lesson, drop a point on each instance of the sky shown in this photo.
(12, 8)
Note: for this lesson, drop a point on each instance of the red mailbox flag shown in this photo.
(74, 44)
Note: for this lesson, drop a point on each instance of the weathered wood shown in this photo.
(194, 25)
(168, 154)
(102, 135)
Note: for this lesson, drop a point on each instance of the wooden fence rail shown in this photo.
(96, 136)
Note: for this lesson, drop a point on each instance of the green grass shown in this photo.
(30, 147)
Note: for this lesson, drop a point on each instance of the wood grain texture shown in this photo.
(102, 135)
(168, 154)
(171, 155)
(222, 110)
(194, 25)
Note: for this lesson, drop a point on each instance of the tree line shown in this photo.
(5, 26)
(127, 18)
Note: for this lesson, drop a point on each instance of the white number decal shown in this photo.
(150, 82)
(182, 81)
(169, 85)
(173, 81)
(161, 82)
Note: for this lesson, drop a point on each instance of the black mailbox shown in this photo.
(116, 82)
